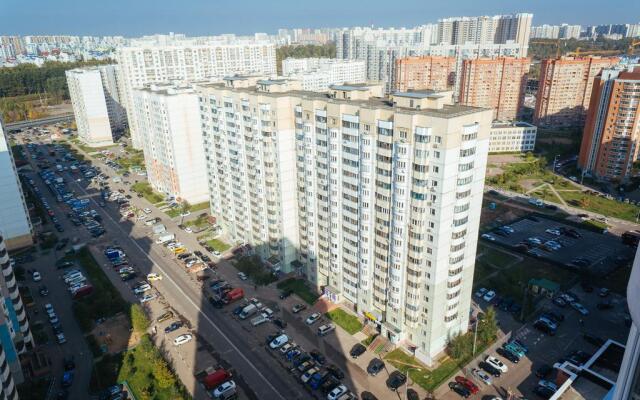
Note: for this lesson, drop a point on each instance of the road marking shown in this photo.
(135, 243)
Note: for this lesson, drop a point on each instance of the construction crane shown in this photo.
(629, 51)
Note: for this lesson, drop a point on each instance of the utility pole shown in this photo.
(475, 336)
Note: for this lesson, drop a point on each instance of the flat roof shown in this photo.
(448, 111)
(351, 87)
(272, 81)
(420, 94)
(508, 124)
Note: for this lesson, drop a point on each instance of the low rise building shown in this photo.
(512, 136)
(317, 74)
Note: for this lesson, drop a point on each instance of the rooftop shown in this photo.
(420, 94)
(448, 111)
(351, 87)
(509, 124)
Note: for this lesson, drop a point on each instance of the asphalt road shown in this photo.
(248, 360)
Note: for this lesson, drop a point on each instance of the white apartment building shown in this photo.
(97, 107)
(380, 197)
(512, 136)
(162, 59)
(317, 74)
(173, 154)
(564, 31)
(497, 29)
(15, 224)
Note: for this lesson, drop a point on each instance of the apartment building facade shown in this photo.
(160, 61)
(15, 223)
(514, 28)
(97, 107)
(512, 136)
(385, 196)
(496, 83)
(424, 73)
(249, 142)
(610, 141)
(317, 74)
(173, 153)
(564, 90)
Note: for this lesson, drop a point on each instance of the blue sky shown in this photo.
(200, 17)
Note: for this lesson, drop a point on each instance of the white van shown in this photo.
(325, 329)
(79, 280)
(73, 276)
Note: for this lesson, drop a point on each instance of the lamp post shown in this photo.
(406, 386)
(475, 336)
(555, 161)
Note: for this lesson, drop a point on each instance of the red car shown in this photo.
(473, 388)
(50, 212)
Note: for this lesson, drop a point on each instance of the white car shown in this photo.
(147, 211)
(313, 318)
(226, 389)
(337, 392)
(147, 297)
(185, 214)
(142, 288)
(61, 338)
(493, 361)
(36, 276)
(284, 349)
(490, 295)
(141, 217)
(279, 341)
(579, 308)
(488, 237)
(242, 276)
(53, 319)
(553, 231)
(48, 308)
(307, 375)
(188, 230)
(154, 277)
(182, 339)
(481, 292)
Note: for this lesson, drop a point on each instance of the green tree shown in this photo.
(162, 374)
(139, 320)
(304, 51)
(488, 326)
(459, 346)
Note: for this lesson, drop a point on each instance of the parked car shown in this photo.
(375, 366)
(490, 369)
(580, 308)
(337, 392)
(509, 355)
(459, 389)
(490, 295)
(313, 318)
(395, 380)
(357, 350)
(482, 376)
(495, 362)
(468, 383)
(173, 327)
(480, 293)
(298, 307)
(182, 339)
(279, 341)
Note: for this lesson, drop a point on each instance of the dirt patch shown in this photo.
(502, 159)
(529, 184)
(116, 334)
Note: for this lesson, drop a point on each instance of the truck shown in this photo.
(215, 378)
(248, 311)
(114, 254)
(259, 320)
(165, 238)
(158, 229)
(233, 295)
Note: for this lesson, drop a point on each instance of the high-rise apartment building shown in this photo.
(161, 60)
(564, 90)
(317, 74)
(424, 72)
(497, 83)
(375, 200)
(173, 154)
(498, 29)
(97, 106)
(15, 224)
(610, 142)
(564, 31)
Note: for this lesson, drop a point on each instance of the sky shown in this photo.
(207, 17)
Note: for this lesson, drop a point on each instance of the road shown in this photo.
(248, 359)
(38, 122)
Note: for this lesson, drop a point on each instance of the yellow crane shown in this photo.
(629, 51)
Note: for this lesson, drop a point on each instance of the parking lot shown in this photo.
(602, 252)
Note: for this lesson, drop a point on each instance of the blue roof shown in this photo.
(419, 95)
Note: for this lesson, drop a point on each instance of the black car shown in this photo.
(329, 385)
(508, 355)
(369, 396)
(395, 380)
(460, 389)
(184, 256)
(412, 394)
(43, 291)
(198, 253)
(69, 364)
(128, 277)
(285, 293)
(544, 328)
(605, 305)
(544, 392)
(173, 326)
(335, 371)
(375, 366)
(318, 357)
(555, 317)
(544, 371)
(279, 323)
(205, 258)
(490, 369)
(357, 350)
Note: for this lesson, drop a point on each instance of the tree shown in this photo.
(459, 346)
(139, 320)
(184, 208)
(162, 373)
(488, 328)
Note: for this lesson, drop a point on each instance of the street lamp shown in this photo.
(406, 386)
(555, 161)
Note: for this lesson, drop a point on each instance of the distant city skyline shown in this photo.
(202, 17)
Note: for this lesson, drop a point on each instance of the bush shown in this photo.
(139, 320)
(254, 269)
(299, 287)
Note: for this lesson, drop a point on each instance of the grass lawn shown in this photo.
(512, 281)
(105, 301)
(200, 222)
(496, 257)
(598, 225)
(255, 270)
(133, 159)
(299, 287)
(218, 245)
(147, 192)
(145, 371)
(174, 212)
(348, 322)
(481, 272)
(601, 205)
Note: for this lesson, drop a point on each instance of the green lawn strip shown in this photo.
(255, 270)
(601, 205)
(481, 272)
(218, 245)
(147, 192)
(200, 222)
(598, 225)
(369, 340)
(104, 302)
(145, 371)
(299, 287)
(496, 257)
(348, 322)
